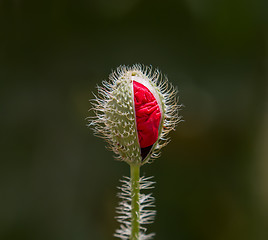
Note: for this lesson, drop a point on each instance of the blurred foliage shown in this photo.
(57, 181)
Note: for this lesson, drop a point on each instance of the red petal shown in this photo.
(148, 115)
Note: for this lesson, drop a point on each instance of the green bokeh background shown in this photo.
(58, 182)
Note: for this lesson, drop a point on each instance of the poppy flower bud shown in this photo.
(135, 110)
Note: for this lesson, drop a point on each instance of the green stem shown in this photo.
(135, 203)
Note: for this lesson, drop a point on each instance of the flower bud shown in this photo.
(135, 110)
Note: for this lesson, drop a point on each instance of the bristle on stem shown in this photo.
(135, 208)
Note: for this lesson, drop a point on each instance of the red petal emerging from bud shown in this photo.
(148, 115)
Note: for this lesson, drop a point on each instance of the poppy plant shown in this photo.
(134, 111)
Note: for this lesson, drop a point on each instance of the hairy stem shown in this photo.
(135, 202)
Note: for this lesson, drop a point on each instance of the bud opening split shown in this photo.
(135, 110)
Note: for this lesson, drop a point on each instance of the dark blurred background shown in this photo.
(58, 182)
